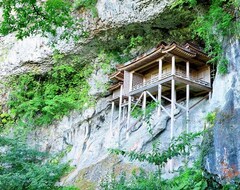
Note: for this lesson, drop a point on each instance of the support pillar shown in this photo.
(112, 117)
(144, 104)
(129, 115)
(187, 95)
(173, 95)
(210, 96)
(187, 70)
(187, 106)
(173, 101)
(120, 108)
(159, 87)
(173, 65)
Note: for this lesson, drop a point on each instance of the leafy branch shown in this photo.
(178, 146)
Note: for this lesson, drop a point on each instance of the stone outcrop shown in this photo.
(222, 148)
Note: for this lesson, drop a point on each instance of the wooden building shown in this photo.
(165, 74)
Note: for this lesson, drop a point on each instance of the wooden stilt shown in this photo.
(159, 87)
(187, 70)
(112, 117)
(120, 108)
(173, 101)
(187, 106)
(187, 95)
(129, 102)
(173, 95)
(144, 103)
(129, 114)
(173, 65)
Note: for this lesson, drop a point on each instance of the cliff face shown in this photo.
(88, 133)
(222, 149)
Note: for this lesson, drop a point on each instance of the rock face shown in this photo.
(87, 135)
(222, 155)
(125, 12)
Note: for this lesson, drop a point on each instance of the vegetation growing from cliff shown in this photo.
(23, 167)
(38, 99)
(215, 20)
(87, 4)
(193, 177)
(178, 146)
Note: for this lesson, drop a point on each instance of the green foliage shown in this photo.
(87, 4)
(23, 167)
(212, 25)
(133, 43)
(211, 117)
(5, 119)
(178, 146)
(193, 178)
(40, 99)
(188, 178)
(28, 18)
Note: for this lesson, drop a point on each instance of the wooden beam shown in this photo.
(151, 96)
(194, 84)
(187, 106)
(137, 102)
(151, 85)
(177, 104)
(130, 81)
(187, 70)
(129, 115)
(145, 65)
(120, 108)
(112, 116)
(159, 86)
(144, 103)
(173, 101)
(173, 65)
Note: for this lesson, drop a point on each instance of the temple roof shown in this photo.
(117, 75)
(115, 86)
(187, 52)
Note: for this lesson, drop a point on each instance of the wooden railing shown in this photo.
(179, 73)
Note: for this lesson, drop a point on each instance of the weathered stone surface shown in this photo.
(88, 133)
(222, 154)
(125, 11)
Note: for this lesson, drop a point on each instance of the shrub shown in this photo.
(23, 167)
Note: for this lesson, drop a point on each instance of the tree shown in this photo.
(22, 167)
(28, 17)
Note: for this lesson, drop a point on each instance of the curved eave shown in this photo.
(146, 58)
(115, 86)
(179, 51)
(200, 54)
